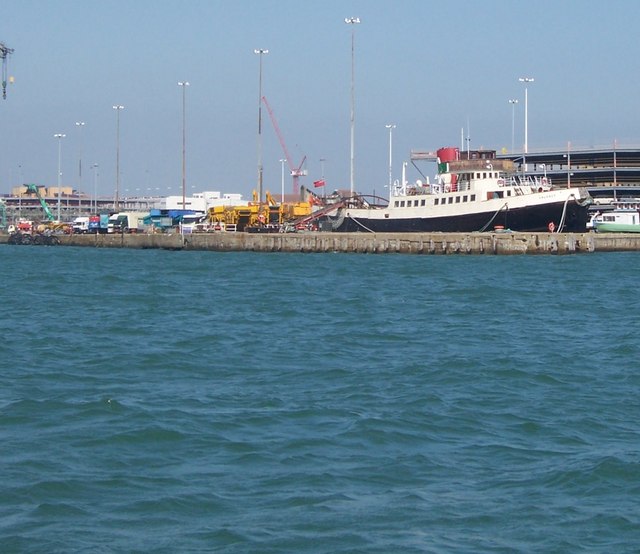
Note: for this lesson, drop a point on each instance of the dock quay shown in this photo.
(491, 243)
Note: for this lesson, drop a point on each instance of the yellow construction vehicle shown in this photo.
(267, 214)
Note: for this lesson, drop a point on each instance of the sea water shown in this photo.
(160, 401)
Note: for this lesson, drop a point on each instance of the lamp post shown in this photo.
(261, 52)
(513, 103)
(352, 21)
(20, 193)
(80, 125)
(282, 179)
(568, 164)
(615, 169)
(59, 136)
(95, 187)
(184, 85)
(116, 201)
(324, 187)
(526, 80)
(391, 127)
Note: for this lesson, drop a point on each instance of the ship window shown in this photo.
(465, 198)
(450, 199)
(422, 202)
(484, 175)
(402, 203)
(436, 201)
(457, 200)
(415, 202)
(395, 204)
(473, 198)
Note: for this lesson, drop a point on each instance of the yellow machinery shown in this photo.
(258, 214)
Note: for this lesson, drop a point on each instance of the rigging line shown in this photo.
(361, 225)
(564, 213)
(494, 216)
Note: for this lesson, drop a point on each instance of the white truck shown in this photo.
(127, 222)
(80, 225)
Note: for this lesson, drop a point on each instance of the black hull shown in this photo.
(531, 218)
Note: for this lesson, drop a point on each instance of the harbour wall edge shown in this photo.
(371, 243)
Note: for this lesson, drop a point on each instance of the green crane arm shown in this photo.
(47, 211)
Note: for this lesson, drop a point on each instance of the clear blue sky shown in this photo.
(430, 68)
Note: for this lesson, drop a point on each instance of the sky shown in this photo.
(438, 71)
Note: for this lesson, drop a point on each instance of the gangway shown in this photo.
(313, 216)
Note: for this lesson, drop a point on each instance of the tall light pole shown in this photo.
(21, 182)
(513, 103)
(184, 85)
(59, 136)
(391, 127)
(116, 201)
(282, 178)
(261, 52)
(526, 80)
(352, 21)
(569, 164)
(324, 187)
(95, 187)
(80, 125)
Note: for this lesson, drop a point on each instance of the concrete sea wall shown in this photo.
(404, 243)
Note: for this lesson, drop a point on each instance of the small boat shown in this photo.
(473, 191)
(618, 220)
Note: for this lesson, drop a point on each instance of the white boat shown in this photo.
(618, 220)
(473, 191)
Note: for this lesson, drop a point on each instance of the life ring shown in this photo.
(551, 226)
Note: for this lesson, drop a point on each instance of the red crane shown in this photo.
(296, 172)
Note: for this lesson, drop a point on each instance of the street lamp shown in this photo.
(117, 108)
(391, 127)
(526, 80)
(80, 125)
(59, 136)
(261, 52)
(569, 164)
(22, 183)
(184, 85)
(95, 187)
(352, 21)
(324, 188)
(282, 179)
(513, 103)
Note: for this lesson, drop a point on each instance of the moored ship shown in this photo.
(473, 191)
(622, 219)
